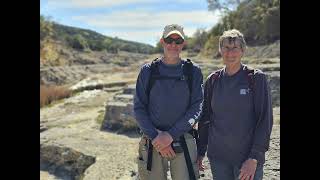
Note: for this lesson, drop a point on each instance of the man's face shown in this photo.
(231, 51)
(172, 50)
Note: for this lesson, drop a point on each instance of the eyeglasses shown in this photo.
(169, 40)
(234, 49)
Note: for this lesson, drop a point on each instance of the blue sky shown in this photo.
(136, 20)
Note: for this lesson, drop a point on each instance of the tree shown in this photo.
(271, 24)
(223, 5)
(77, 42)
(258, 20)
(199, 39)
(107, 42)
(211, 47)
(158, 48)
(45, 28)
(129, 47)
(114, 48)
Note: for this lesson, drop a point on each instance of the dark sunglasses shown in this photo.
(169, 40)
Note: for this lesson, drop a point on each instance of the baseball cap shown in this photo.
(173, 29)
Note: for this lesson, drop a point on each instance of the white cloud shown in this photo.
(148, 19)
(92, 3)
(146, 26)
(106, 3)
(149, 37)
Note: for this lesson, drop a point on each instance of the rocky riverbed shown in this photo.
(72, 145)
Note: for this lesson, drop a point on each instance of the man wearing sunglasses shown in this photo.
(167, 111)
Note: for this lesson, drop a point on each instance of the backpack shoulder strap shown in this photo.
(212, 78)
(188, 73)
(154, 71)
(251, 78)
(250, 74)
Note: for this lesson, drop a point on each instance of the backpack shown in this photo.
(212, 78)
(155, 75)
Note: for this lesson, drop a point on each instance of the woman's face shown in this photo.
(231, 51)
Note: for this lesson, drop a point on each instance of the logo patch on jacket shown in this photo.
(244, 91)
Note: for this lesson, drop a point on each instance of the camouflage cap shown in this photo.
(173, 29)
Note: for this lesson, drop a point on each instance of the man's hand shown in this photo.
(168, 152)
(200, 164)
(248, 169)
(163, 140)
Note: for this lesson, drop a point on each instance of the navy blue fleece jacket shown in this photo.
(169, 107)
(242, 118)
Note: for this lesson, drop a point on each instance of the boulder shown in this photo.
(119, 112)
(119, 117)
(64, 161)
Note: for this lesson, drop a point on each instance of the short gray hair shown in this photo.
(232, 34)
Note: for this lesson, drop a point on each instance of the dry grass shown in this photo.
(48, 94)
